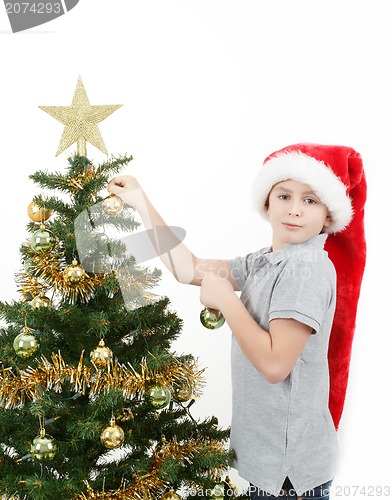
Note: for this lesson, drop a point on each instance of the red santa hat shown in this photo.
(336, 175)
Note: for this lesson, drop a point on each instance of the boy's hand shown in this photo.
(215, 291)
(127, 188)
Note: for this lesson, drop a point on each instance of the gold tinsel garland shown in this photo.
(151, 486)
(184, 452)
(29, 286)
(145, 487)
(49, 273)
(79, 181)
(19, 386)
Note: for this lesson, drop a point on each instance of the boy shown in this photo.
(282, 430)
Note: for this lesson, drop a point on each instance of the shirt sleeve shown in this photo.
(304, 292)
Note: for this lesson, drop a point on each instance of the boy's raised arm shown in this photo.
(181, 262)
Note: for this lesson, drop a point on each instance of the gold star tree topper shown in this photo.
(81, 121)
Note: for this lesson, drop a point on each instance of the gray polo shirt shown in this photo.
(286, 429)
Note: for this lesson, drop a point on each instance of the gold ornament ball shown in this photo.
(113, 205)
(211, 318)
(38, 214)
(40, 301)
(25, 344)
(158, 396)
(113, 436)
(171, 495)
(101, 356)
(182, 393)
(73, 274)
(43, 447)
(42, 240)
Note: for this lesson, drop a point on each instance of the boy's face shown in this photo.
(295, 213)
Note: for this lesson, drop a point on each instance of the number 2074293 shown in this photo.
(362, 491)
(33, 8)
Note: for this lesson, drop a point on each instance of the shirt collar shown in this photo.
(315, 243)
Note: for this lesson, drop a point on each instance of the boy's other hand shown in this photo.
(215, 291)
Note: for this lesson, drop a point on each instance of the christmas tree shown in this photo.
(93, 402)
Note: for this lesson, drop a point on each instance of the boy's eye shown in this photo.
(283, 196)
(310, 200)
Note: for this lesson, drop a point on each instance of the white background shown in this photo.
(209, 88)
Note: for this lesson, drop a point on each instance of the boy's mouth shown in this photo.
(291, 226)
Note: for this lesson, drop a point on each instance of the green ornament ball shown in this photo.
(43, 447)
(211, 318)
(158, 396)
(218, 492)
(25, 344)
(42, 240)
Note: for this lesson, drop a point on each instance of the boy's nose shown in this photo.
(295, 210)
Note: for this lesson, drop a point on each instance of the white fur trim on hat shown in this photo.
(298, 166)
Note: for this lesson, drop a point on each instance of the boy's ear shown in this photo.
(328, 220)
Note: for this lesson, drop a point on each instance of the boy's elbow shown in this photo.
(185, 278)
(273, 379)
(274, 375)
(185, 271)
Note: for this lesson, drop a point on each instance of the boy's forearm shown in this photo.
(254, 341)
(179, 259)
